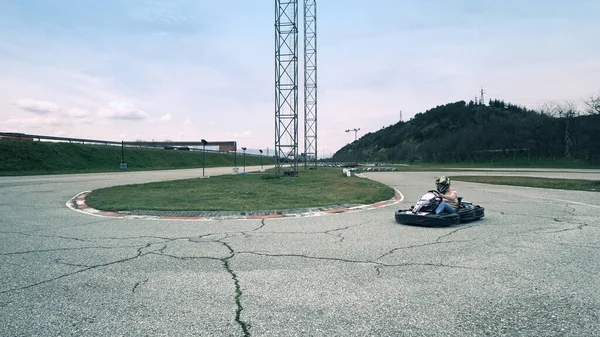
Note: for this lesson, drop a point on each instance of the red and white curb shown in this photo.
(77, 203)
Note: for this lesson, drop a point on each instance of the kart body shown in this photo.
(423, 212)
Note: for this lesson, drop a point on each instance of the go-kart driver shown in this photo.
(448, 196)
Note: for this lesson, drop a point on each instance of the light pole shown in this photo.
(203, 155)
(244, 149)
(355, 131)
(355, 137)
(261, 165)
(123, 164)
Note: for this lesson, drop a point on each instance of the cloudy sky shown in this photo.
(193, 69)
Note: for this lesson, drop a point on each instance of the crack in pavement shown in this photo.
(58, 261)
(44, 236)
(164, 239)
(91, 239)
(246, 235)
(327, 232)
(83, 224)
(575, 245)
(527, 215)
(417, 246)
(262, 224)
(238, 290)
(579, 226)
(380, 264)
(340, 235)
(570, 210)
(226, 261)
(245, 326)
(563, 200)
(61, 249)
(139, 254)
(137, 284)
(185, 258)
(437, 242)
(63, 227)
(453, 232)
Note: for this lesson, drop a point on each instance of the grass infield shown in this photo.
(255, 191)
(562, 184)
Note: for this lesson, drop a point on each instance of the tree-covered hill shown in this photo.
(463, 131)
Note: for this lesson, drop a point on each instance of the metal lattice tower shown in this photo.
(310, 82)
(286, 86)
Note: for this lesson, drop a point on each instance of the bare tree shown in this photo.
(567, 112)
(593, 104)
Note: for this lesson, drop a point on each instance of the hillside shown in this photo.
(459, 132)
(29, 157)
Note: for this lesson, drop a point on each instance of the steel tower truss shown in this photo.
(310, 82)
(286, 86)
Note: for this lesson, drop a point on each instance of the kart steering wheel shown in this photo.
(436, 192)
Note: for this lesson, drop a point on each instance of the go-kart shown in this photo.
(423, 212)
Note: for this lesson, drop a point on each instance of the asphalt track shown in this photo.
(530, 268)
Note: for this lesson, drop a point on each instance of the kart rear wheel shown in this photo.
(406, 217)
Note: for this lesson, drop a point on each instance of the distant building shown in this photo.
(226, 148)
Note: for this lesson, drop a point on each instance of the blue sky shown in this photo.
(193, 69)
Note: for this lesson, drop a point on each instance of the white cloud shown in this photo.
(244, 134)
(122, 110)
(77, 113)
(38, 107)
(166, 118)
(35, 122)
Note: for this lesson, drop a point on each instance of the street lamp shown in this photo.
(123, 164)
(261, 165)
(244, 149)
(355, 131)
(203, 155)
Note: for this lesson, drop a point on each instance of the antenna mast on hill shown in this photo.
(481, 100)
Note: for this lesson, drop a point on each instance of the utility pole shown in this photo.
(401, 115)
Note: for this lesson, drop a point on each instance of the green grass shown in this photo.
(28, 158)
(562, 184)
(255, 191)
(252, 192)
(557, 163)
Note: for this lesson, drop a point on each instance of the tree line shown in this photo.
(461, 131)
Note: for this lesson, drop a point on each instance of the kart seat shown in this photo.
(460, 202)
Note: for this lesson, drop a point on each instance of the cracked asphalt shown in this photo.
(529, 268)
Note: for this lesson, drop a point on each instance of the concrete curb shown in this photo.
(77, 203)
